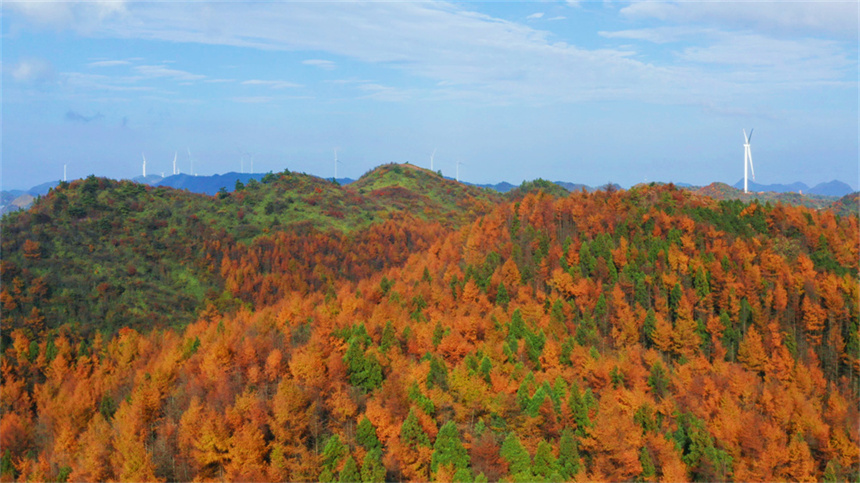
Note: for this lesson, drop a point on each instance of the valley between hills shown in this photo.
(406, 327)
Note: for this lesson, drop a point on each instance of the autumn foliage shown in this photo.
(648, 334)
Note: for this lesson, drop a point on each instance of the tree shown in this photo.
(751, 352)
(448, 450)
(415, 453)
(519, 461)
(568, 455)
(366, 435)
(372, 470)
(350, 472)
(545, 463)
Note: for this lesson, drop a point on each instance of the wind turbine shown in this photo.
(748, 158)
(64, 171)
(190, 160)
(458, 170)
(336, 162)
(431, 159)
(175, 153)
(144, 165)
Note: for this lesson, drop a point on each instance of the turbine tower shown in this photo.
(748, 158)
(144, 165)
(175, 153)
(190, 160)
(64, 171)
(336, 162)
(458, 170)
(431, 159)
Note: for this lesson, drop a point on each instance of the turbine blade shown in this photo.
(749, 152)
(750, 138)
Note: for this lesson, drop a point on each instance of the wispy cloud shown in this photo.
(805, 17)
(273, 84)
(322, 64)
(155, 71)
(466, 53)
(385, 93)
(108, 63)
(535, 15)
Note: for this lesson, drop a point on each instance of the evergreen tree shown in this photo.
(568, 455)
(366, 435)
(350, 472)
(463, 475)
(448, 449)
(486, 367)
(389, 338)
(649, 472)
(517, 328)
(372, 469)
(519, 461)
(411, 433)
(333, 452)
(502, 297)
(438, 375)
(545, 463)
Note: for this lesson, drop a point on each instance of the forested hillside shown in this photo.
(651, 334)
(99, 255)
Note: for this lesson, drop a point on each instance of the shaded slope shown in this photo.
(97, 254)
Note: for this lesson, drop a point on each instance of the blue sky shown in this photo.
(586, 92)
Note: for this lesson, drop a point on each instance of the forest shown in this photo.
(409, 328)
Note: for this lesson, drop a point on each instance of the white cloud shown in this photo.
(822, 17)
(108, 63)
(162, 71)
(658, 35)
(463, 53)
(385, 93)
(273, 84)
(82, 16)
(322, 64)
(535, 15)
(33, 71)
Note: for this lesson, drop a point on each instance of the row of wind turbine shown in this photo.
(143, 155)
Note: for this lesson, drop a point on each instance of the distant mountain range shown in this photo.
(832, 188)
(20, 199)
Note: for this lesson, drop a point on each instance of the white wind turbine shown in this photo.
(144, 165)
(190, 160)
(431, 159)
(458, 170)
(175, 153)
(336, 162)
(747, 158)
(64, 171)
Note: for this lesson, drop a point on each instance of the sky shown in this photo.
(581, 91)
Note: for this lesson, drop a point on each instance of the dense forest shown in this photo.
(408, 328)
